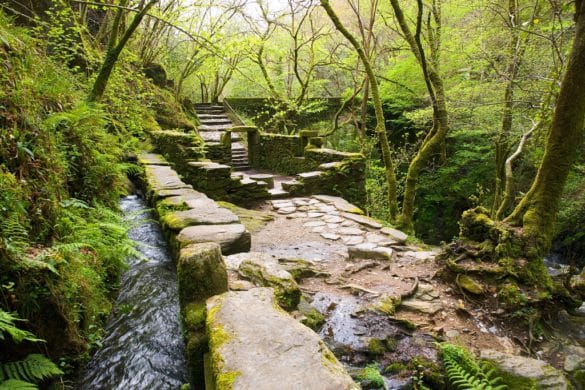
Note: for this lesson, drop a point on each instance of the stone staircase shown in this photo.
(214, 124)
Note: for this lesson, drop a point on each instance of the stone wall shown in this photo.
(318, 170)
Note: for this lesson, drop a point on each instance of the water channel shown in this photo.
(143, 347)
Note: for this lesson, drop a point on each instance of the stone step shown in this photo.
(207, 106)
(267, 348)
(291, 184)
(212, 116)
(277, 193)
(242, 168)
(212, 122)
(214, 127)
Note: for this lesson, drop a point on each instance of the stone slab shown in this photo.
(152, 159)
(370, 251)
(339, 203)
(232, 238)
(395, 234)
(259, 347)
(363, 220)
(215, 215)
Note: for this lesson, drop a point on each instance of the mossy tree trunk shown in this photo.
(114, 49)
(380, 124)
(537, 211)
(434, 141)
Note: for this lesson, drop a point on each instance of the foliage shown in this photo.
(370, 376)
(34, 368)
(23, 374)
(464, 372)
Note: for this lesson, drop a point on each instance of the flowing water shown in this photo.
(143, 347)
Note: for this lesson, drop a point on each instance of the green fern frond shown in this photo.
(34, 368)
(15, 384)
(8, 326)
(14, 234)
(465, 373)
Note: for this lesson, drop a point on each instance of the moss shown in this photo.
(253, 220)
(579, 379)
(431, 372)
(388, 304)
(513, 382)
(511, 295)
(286, 291)
(371, 378)
(391, 343)
(313, 318)
(194, 316)
(469, 284)
(536, 274)
(376, 347)
(394, 368)
(476, 224)
(218, 336)
(201, 273)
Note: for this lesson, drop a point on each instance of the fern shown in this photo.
(34, 368)
(8, 325)
(15, 384)
(464, 372)
(14, 235)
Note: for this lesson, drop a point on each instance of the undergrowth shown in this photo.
(464, 372)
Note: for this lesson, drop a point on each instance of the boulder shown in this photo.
(521, 372)
(253, 345)
(201, 272)
(265, 271)
(233, 238)
(469, 284)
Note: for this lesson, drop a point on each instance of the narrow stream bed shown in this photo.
(143, 347)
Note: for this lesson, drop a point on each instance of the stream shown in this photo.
(143, 347)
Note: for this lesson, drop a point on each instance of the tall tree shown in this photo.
(537, 211)
(115, 45)
(434, 141)
(380, 124)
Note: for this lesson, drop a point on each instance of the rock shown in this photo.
(352, 240)
(451, 333)
(469, 284)
(339, 203)
(314, 224)
(363, 220)
(179, 220)
(422, 256)
(370, 251)
(233, 238)
(333, 219)
(312, 318)
(350, 231)
(254, 346)
(331, 236)
(395, 234)
(379, 239)
(201, 272)
(241, 285)
(574, 358)
(152, 159)
(265, 271)
(526, 373)
(314, 214)
(422, 306)
(286, 210)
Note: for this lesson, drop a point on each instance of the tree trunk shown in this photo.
(435, 139)
(380, 125)
(113, 52)
(537, 211)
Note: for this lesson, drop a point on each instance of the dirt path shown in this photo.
(357, 268)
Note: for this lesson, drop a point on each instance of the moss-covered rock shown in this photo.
(311, 316)
(201, 272)
(266, 272)
(524, 373)
(370, 378)
(469, 284)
